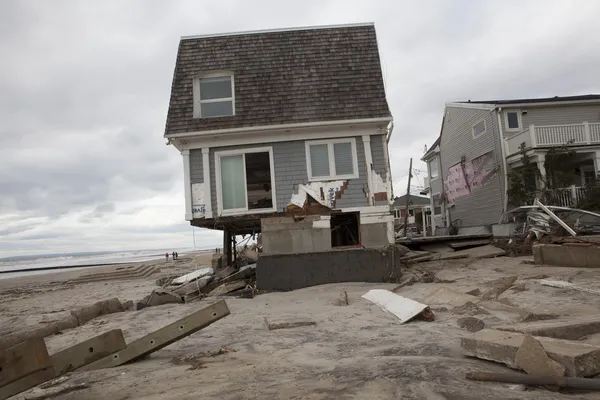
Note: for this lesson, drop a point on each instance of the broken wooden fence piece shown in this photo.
(522, 379)
(163, 337)
(23, 359)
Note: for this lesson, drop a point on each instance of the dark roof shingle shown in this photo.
(540, 100)
(283, 77)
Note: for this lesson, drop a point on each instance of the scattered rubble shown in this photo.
(499, 286)
(574, 329)
(471, 324)
(343, 300)
(532, 358)
(288, 323)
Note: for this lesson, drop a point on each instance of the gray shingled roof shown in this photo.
(554, 99)
(283, 77)
(412, 201)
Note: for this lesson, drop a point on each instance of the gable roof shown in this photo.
(412, 200)
(281, 77)
(554, 99)
(431, 149)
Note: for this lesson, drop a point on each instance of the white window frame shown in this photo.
(431, 177)
(332, 173)
(519, 119)
(433, 205)
(484, 129)
(244, 211)
(197, 99)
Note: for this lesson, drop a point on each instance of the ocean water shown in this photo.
(41, 264)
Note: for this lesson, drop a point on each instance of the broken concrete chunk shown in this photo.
(159, 297)
(499, 286)
(225, 272)
(474, 292)
(571, 329)
(579, 359)
(532, 358)
(469, 308)
(406, 281)
(343, 301)
(192, 276)
(193, 286)
(446, 296)
(471, 324)
(288, 323)
(403, 308)
(87, 313)
(227, 287)
(568, 285)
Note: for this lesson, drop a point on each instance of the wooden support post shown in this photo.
(163, 337)
(407, 198)
(227, 248)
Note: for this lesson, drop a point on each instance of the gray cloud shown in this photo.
(84, 90)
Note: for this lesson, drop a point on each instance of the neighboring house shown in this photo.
(419, 212)
(481, 140)
(285, 133)
(434, 186)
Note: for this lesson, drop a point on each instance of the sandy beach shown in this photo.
(353, 352)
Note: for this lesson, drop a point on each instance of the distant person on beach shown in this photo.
(167, 256)
(176, 255)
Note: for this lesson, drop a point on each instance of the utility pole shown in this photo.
(407, 199)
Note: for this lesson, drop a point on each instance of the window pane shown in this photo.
(343, 158)
(232, 182)
(433, 167)
(479, 128)
(215, 88)
(513, 120)
(217, 109)
(258, 180)
(319, 160)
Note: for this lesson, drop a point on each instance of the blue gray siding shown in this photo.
(557, 115)
(196, 167)
(379, 165)
(290, 171)
(484, 205)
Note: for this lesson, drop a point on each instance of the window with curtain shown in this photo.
(332, 159)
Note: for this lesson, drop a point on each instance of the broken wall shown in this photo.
(284, 235)
(476, 193)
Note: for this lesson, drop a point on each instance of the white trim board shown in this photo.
(477, 106)
(219, 188)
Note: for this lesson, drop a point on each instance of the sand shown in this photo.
(354, 352)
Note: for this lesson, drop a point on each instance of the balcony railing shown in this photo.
(554, 135)
(566, 197)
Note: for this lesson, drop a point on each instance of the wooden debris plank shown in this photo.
(163, 337)
(26, 382)
(470, 243)
(23, 359)
(88, 352)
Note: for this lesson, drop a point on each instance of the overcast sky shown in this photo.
(84, 90)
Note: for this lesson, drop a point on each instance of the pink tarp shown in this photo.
(462, 179)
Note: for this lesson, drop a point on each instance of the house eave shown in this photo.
(265, 128)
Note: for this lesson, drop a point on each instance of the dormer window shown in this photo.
(214, 95)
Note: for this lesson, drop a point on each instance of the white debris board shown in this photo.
(192, 276)
(403, 308)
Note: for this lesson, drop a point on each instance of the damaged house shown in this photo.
(285, 133)
(484, 145)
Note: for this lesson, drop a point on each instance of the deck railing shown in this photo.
(554, 135)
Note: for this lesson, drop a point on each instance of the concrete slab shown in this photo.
(487, 251)
(26, 382)
(468, 243)
(23, 359)
(288, 323)
(566, 256)
(104, 307)
(87, 352)
(561, 329)
(227, 287)
(532, 358)
(579, 359)
(447, 296)
(471, 324)
(567, 285)
(163, 337)
(192, 276)
(499, 286)
(158, 297)
(194, 286)
(403, 308)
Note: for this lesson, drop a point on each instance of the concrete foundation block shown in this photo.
(23, 359)
(26, 382)
(579, 359)
(295, 271)
(566, 256)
